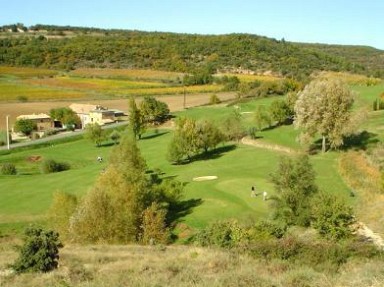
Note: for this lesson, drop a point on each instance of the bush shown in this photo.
(8, 169)
(331, 216)
(50, 166)
(40, 252)
(214, 100)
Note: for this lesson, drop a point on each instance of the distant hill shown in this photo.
(77, 47)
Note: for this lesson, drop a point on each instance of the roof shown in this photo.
(34, 117)
(82, 108)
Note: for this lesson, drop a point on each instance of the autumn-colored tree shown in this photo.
(59, 214)
(154, 229)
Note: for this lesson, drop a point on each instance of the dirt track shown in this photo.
(174, 102)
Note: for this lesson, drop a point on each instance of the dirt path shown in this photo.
(260, 144)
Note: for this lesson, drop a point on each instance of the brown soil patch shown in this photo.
(259, 144)
(34, 158)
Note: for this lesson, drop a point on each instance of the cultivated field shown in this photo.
(175, 103)
(128, 74)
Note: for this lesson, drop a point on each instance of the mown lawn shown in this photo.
(25, 197)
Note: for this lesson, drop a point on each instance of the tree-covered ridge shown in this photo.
(69, 48)
(370, 58)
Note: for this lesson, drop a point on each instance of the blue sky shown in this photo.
(354, 22)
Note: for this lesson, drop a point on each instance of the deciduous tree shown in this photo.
(324, 108)
(153, 111)
(136, 119)
(94, 133)
(25, 126)
(294, 182)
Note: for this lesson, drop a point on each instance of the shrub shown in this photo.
(222, 234)
(50, 166)
(40, 252)
(8, 169)
(22, 99)
(214, 100)
(332, 217)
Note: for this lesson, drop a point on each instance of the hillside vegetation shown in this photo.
(70, 48)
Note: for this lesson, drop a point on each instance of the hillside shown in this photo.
(69, 48)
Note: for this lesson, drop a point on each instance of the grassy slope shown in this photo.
(229, 196)
(27, 196)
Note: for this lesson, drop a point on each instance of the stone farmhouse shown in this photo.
(91, 114)
(43, 121)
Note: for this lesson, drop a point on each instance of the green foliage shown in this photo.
(199, 55)
(22, 99)
(262, 118)
(331, 216)
(124, 205)
(193, 137)
(232, 234)
(294, 182)
(66, 116)
(232, 126)
(214, 100)
(378, 104)
(40, 252)
(62, 208)
(8, 169)
(94, 133)
(279, 111)
(25, 126)
(136, 119)
(50, 166)
(154, 111)
(201, 76)
(324, 108)
(222, 234)
(115, 136)
(231, 83)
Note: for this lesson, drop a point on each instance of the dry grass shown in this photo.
(366, 180)
(23, 72)
(100, 85)
(182, 266)
(352, 79)
(127, 74)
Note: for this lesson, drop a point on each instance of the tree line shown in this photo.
(179, 52)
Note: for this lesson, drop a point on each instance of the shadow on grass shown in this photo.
(360, 141)
(356, 141)
(180, 209)
(154, 135)
(212, 154)
(108, 144)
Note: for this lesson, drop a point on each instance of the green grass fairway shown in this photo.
(25, 198)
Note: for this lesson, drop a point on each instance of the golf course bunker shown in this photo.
(204, 178)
